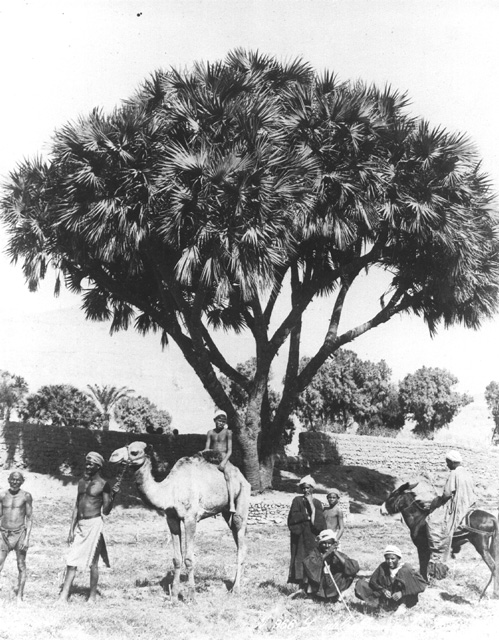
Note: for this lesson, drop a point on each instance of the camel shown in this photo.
(193, 490)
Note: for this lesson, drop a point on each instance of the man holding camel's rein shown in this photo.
(94, 499)
(449, 509)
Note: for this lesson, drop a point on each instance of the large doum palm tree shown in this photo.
(106, 397)
(216, 192)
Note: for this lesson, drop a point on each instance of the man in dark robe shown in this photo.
(305, 521)
(393, 586)
(329, 571)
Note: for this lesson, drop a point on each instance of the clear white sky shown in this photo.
(61, 58)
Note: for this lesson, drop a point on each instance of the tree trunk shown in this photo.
(267, 461)
(251, 464)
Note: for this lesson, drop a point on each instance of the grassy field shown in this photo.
(134, 601)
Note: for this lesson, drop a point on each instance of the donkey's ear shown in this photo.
(407, 486)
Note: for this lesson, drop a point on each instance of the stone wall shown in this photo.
(399, 458)
(60, 451)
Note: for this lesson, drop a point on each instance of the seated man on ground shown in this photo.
(329, 571)
(393, 585)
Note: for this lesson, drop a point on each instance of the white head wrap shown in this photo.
(96, 458)
(220, 414)
(327, 534)
(391, 548)
(453, 456)
(308, 480)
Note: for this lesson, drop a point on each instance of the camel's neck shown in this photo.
(154, 494)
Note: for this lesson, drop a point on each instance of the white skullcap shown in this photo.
(453, 456)
(333, 492)
(219, 414)
(96, 458)
(307, 480)
(327, 534)
(391, 548)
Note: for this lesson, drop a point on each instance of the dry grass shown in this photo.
(134, 601)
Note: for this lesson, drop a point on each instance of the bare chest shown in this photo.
(16, 501)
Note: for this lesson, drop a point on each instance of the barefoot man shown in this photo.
(15, 526)
(218, 450)
(86, 538)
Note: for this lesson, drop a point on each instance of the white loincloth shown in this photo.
(88, 534)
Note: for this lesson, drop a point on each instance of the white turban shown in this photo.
(308, 480)
(453, 456)
(334, 492)
(327, 534)
(220, 414)
(392, 549)
(96, 458)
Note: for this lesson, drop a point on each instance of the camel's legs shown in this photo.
(189, 531)
(237, 522)
(174, 526)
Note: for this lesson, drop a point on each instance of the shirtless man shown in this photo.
(334, 514)
(86, 539)
(219, 446)
(15, 526)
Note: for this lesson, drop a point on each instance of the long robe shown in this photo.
(342, 568)
(407, 580)
(442, 523)
(303, 533)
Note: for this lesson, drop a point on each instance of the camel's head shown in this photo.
(135, 454)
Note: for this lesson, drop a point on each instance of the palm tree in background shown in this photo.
(106, 398)
(13, 389)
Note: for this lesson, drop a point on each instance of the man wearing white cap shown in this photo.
(449, 509)
(329, 571)
(392, 585)
(94, 499)
(305, 521)
(218, 450)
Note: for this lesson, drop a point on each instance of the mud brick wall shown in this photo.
(400, 458)
(60, 451)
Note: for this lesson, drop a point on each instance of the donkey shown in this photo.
(480, 529)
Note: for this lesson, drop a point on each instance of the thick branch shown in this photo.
(345, 273)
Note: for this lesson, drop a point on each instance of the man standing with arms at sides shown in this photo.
(15, 526)
(94, 499)
(218, 450)
(334, 515)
